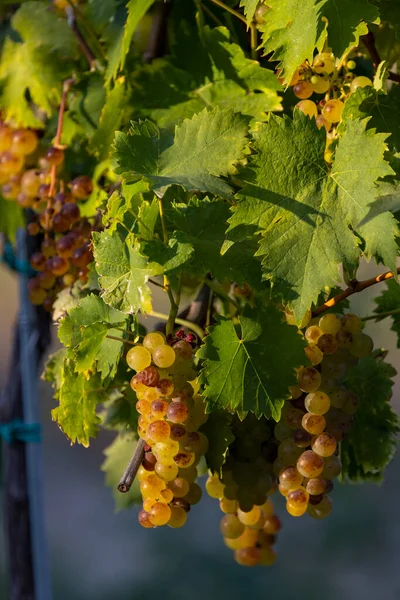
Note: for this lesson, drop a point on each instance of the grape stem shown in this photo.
(354, 287)
(130, 472)
(117, 339)
(184, 322)
(369, 43)
(209, 12)
(382, 315)
(253, 41)
(233, 12)
(80, 39)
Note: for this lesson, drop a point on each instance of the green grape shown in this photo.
(321, 510)
(24, 141)
(251, 517)
(317, 403)
(303, 89)
(228, 506)
(338, 397)
(298, 497)
(214, 487)
(194, 494)
(282, 431)
(314, 355)
(310, 464)
(231, 527)
(291, 416)
(361, 346)
(267, 556)
(324, 444)
(309, 379)
(163, 356)
(178, 517)
(329, 324)
(351, 64)
(320, 84)
(302, 438)
(183, 350)
(312, 334)
(296, 511)
(248, 557)
(138, 358)
(10, 163)
(308, 107)
(290, 478)
(332, 467)
(327, 343)
(316, 486)
(166, 472)
(295, 390)
(360, 82)
(184, 459)
(324, 62)
(314, 424)
(333, 369)
(160, 514)
(179, 487)
(332, 111)
(158, 431)
(352, 323)
(166, 496)
(288, 451)
(153, 339)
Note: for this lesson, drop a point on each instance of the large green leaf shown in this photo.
(110, 120)
(78, 397)
(85, 331)
(118, 455)
(372, 440)
(346, 22)
(205, 147)
(218, 429)
(303, 210)
(291, 31)
(123, 272)
(11, 218)
(249, 369)
(249, 7)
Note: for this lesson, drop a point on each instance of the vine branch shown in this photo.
(129, 475)
(354, 287)
(79, 38)
(369, 43)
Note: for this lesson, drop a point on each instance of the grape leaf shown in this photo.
(84, 331)
(366, 456)
(218, 430)
(11, 218)
(383, 110)
(78, 397)
(249, 7)
(172, 256)
(303, 210)
(250, 369)
(110, 120)
(389, 301)
(205, 147)
(346, 22)
(202, 224)
(53, 370)
(123, 208)
(118, 455)
(291, 32)
(390, 11)
(123, 272)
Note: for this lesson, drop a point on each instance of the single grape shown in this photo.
(313, 424)
(158, 431)
(24, 141)
(231, 527)
(144, 519)
(344, 338)
(316, 486)
(5, 137)
(314, 354)
(296, 511)
(321, 122)
(303, 89)
(177, 412)
(10, 163)
(329, 324)
(178, 433)
(178, 517)
(327, 343)
(309, 379)
(317, 403)
(310, 464)
(160, 514)
(250, 517)
(351, 64)
(324, 62)
(248, 557)
(361, 346)
(332, 111)
(194, 494)
(38, 261)
(291, 416)
(267, 556)
(298, 497)
(320, 84)
(228, 506)
(179, 487)
(352, 323)
(59, 265)
(332, 467)
(166, 472)
(165, 451)
(322, 510)
(137, 386)
(190, 474)
(153, 339)
(282, 431)
(214, 487)
(163, 356)
(184, 459)
(149, 462)
(360, 82)
(308, 107)
(290, 478)
(182, 503)
(324, 444)
(55, 156)
(149, 376)
(165, 387)
(302, 438)
(81, 187)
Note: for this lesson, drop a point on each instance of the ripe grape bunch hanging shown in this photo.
(204, 215)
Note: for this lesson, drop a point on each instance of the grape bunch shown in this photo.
(323, 77)
(319, 415)
(27, 179)
(249, 525)
(171, 412)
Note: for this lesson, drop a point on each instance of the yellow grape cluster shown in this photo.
(322, 77)
(249, 525)
(319, 415)
(171, 412)
(25, 177)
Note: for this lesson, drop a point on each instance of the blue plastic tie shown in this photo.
(20, 266)
(18, 431)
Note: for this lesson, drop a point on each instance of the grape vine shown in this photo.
(240, 159)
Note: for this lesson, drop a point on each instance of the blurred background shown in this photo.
(98, 554)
